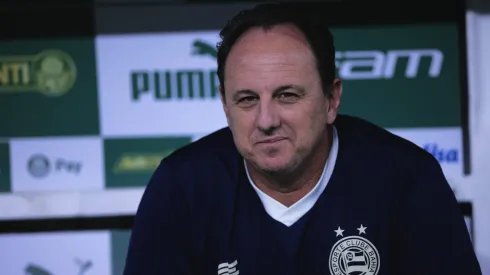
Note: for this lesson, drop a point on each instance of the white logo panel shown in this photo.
(158, 84)
(86, 253)
(56, 164)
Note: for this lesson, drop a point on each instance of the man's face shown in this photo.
(274, 102)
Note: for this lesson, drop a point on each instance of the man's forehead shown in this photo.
(269, 61)
(271, 34)
(269, 56)
(264, 57)
(260, 41)
(263, 81)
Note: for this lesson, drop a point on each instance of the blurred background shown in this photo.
(93, 94)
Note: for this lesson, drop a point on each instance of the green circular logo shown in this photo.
(55, 72)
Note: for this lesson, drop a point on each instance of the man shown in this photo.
(291, 187)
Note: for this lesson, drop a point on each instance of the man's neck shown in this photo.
(290, 188)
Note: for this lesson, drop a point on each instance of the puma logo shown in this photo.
(204, 48)
(33, 269)
(83, 266)
(37, 270)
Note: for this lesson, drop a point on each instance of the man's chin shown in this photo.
(274, 166)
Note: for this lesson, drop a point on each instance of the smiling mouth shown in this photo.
(271, 140)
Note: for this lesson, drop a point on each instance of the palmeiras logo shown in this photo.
(51, 72)
(354, 255)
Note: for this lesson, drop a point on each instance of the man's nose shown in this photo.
(267, 117)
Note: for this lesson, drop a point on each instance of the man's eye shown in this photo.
(247, 99)
(288, 96)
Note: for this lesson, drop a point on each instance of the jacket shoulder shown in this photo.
(214, 145)
(211, 155)
(379, 141)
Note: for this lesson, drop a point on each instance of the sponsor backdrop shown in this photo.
(56, 164)
(166, 86)
(48, 88)
(85, 114)
(67, 253)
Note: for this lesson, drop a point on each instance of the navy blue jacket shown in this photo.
(200, 215)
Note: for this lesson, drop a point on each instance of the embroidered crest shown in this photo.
(354, 255)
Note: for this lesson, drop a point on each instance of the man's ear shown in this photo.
(334, 100)
(223, 99)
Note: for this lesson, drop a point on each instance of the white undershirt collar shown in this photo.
(289, 215)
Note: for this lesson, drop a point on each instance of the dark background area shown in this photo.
(49, 18)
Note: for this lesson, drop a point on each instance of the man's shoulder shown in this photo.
(217, 146)
(203, 172)
(382, 143)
